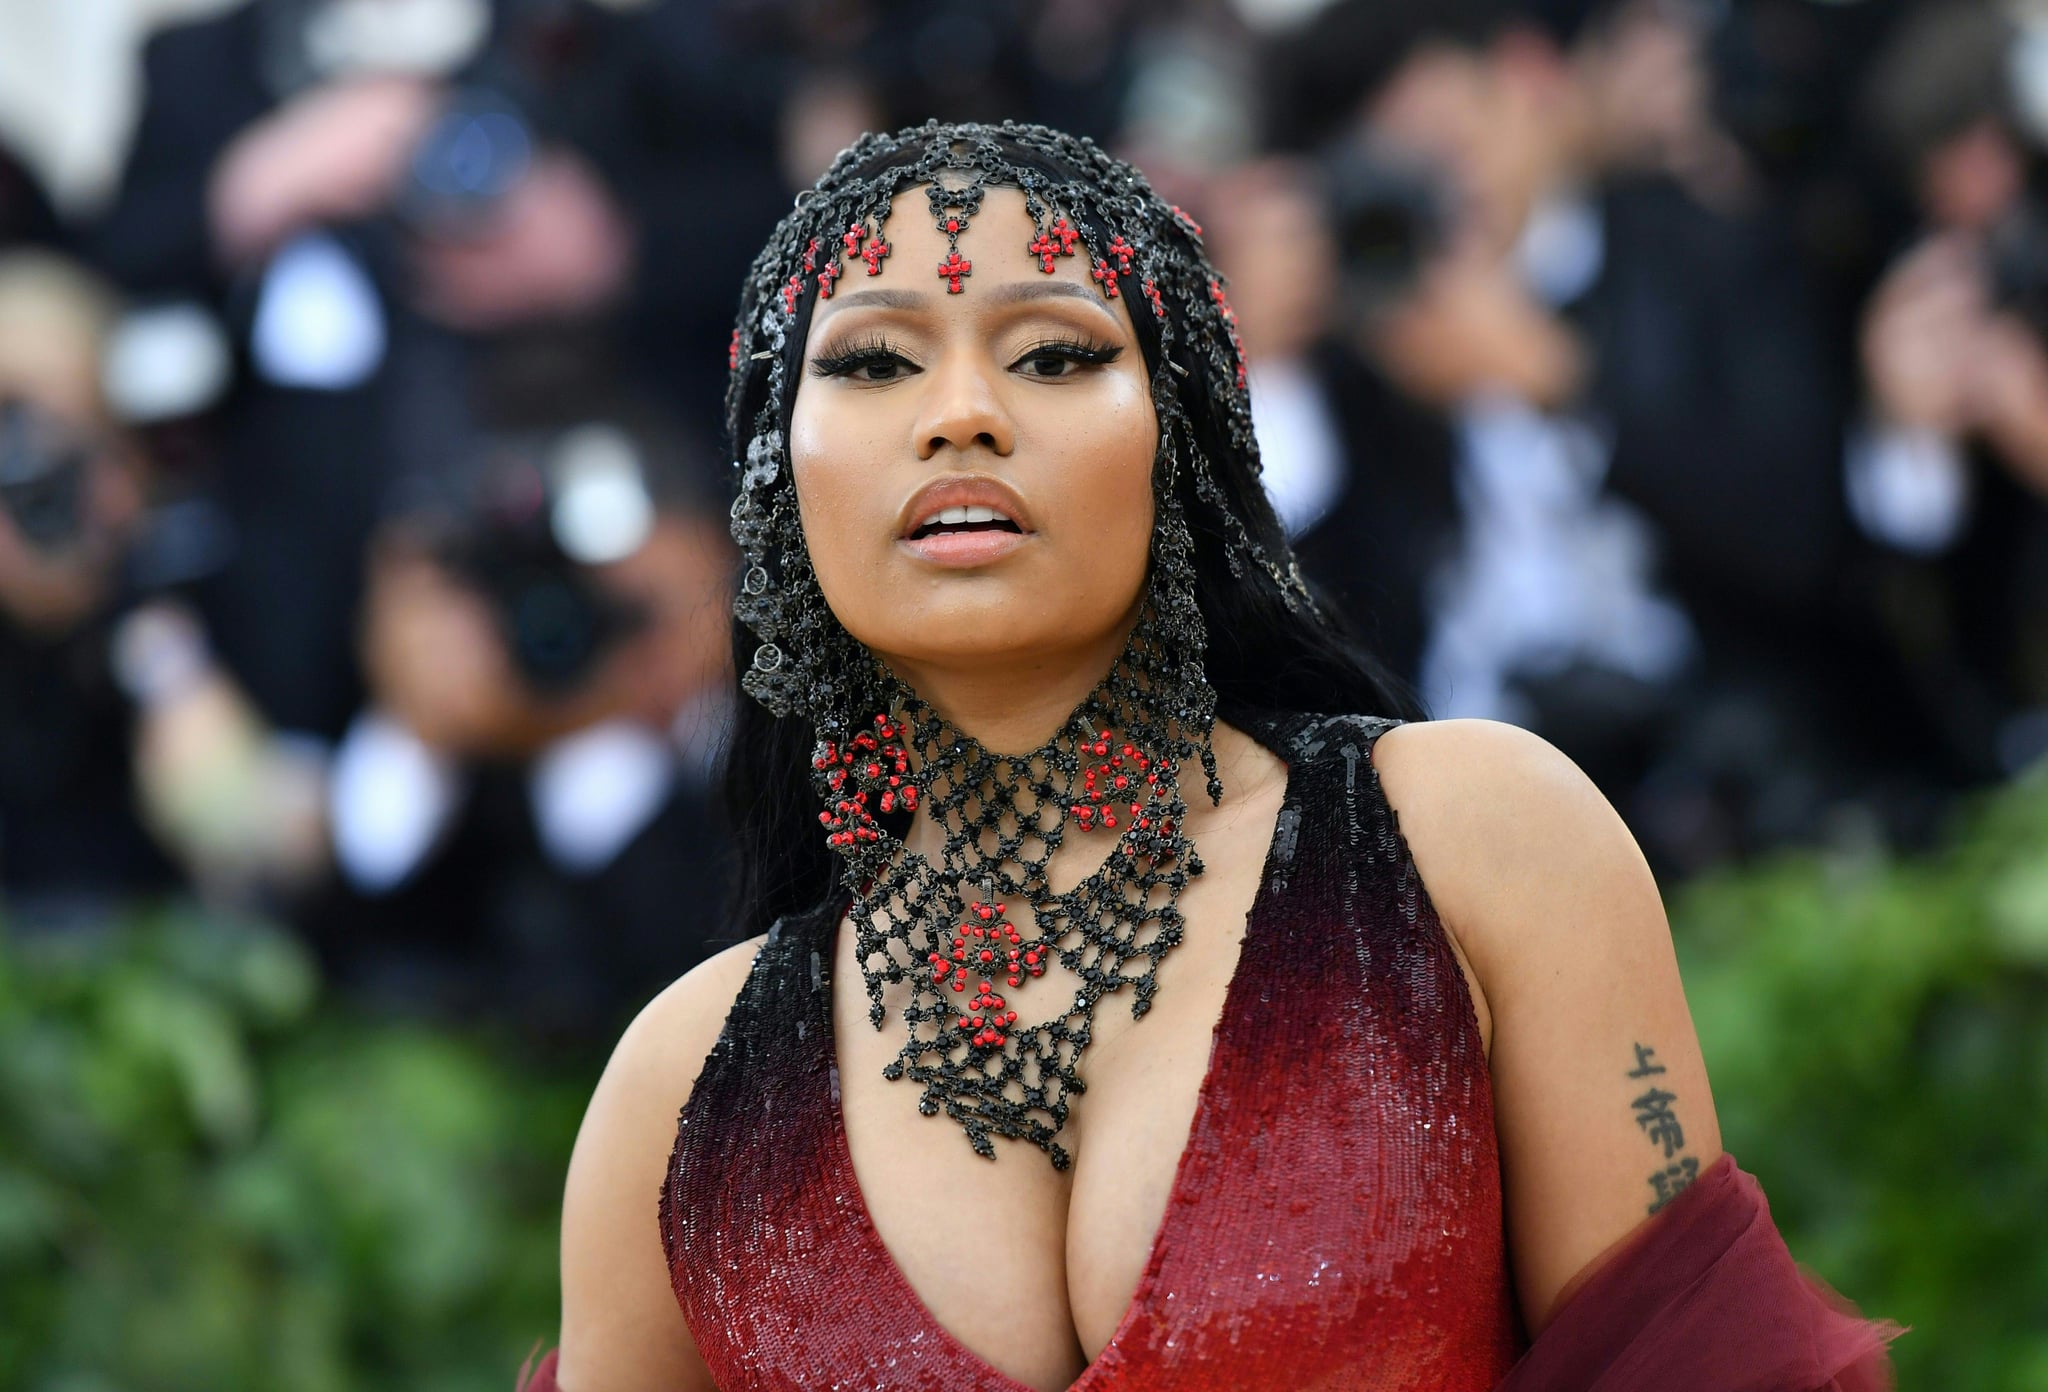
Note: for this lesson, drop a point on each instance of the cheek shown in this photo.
(1107, 489)
(837, 500)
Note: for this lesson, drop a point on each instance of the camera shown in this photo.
(472, 157)
(2017, 250)
(528, 532)
(1391, 213)
(44, 477)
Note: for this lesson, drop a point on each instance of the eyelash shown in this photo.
(1079, 351)
(863, 352)
(854, 356)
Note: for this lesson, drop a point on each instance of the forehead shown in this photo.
(997, 256)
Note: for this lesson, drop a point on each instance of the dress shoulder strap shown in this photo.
(783, 990)
(1310, 737)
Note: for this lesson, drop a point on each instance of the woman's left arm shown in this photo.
(1600, 1094)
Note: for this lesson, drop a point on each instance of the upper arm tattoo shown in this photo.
(1661, 1128)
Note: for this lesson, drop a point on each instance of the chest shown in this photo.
(1284, 1174)
(1066, 1251)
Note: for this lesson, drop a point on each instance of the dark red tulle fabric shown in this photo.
(1705, 1297)
(541, 1379)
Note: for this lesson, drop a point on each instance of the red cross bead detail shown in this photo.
(1067, 236)
(854, 235)
(1222, 301)
(1122, 251)
(873, 253)
(1106, 278)
(826, 276)
(1045, 248)
(952, 268)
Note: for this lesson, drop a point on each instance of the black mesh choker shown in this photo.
(1112, 772)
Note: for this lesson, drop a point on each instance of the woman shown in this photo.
(1054, 776)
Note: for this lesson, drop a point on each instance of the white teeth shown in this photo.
(954, 516)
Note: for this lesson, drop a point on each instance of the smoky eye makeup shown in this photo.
(1076, 349)
(882, 361)
(854, 355)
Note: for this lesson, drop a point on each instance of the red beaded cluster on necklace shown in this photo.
(872, 764)
(1105, 785)
(987, 943)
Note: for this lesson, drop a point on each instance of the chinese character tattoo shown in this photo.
(1653, 1114)
(1661, 1128)
(1672, 1179)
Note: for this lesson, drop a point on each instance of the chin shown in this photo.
(1013, 626)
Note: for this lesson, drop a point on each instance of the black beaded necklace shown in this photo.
(1113, 770)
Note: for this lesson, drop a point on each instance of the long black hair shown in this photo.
(1264, 653)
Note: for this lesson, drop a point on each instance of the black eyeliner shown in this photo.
(1076, 350)
(856, 355)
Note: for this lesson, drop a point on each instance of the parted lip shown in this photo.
(969, 490)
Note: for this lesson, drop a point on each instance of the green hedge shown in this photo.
(212, 1178)
(1877, 1035)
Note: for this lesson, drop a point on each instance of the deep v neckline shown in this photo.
(840, 1150)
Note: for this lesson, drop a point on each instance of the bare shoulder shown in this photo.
(622, 1330)
(1485, 806)
(1601, 1099)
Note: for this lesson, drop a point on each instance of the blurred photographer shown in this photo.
(129, 761)
(366, 193)
(1544, 236)
(1947, 469)
(525, 800)
(70, 496)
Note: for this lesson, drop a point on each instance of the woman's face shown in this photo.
(1022, 405)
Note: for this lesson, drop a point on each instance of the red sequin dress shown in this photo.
(1335, 1218)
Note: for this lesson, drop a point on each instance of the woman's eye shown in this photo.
(1066, 359)
(863, 365)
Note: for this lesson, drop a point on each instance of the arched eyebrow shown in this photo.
(1009, 292)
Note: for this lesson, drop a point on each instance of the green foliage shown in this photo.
(211, 1179)
(1877, 1035)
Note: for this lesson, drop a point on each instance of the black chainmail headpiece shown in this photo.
(884, 755)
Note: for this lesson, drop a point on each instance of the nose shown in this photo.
(962, 407)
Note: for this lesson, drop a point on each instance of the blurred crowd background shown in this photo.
(1667, 376)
